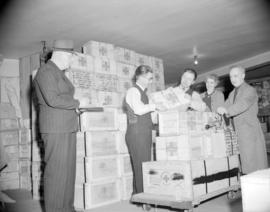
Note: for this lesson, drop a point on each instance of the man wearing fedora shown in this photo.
(58, 125)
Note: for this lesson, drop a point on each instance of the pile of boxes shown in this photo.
(192, 160)
(16, 141)
(101, 76)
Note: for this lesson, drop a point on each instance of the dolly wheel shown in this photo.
(146, 207)
(231, 195)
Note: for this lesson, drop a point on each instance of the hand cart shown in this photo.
(149, 200)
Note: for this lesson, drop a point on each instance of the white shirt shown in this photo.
(133, 99)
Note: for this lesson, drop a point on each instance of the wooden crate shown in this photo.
(105, 65)
(9, 87)
(255, 191)
(24, 167)
(82, 62)
(108, 99)
(125, 165)
(7, 111)
(101, 143)
(185, 147)
(126, 187)
(190, 180)
(124, 55)
(80, 145)
(174, 122)
(91, 121)
(25, 151)
(141, 59)
(124, 84)
(79, 196)
(13, 166)
(86, 97)
(10, 184)
(99, 49)
(25, 182)
(124, 70)
(101, 168)
(106, 82)
(81, 79)
(121, 143)
(12, 152)
(9, 137)
(102, 193)
(9, 124)
(24, 136)
(80, 170)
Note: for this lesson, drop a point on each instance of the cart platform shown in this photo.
(169, 201)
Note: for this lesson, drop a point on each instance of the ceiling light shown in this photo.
(195, 60)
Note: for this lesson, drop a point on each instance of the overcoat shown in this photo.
(243, 108)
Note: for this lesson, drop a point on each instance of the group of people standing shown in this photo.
(241, 107)
(58, 113)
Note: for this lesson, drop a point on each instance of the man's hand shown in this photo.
(222, 110)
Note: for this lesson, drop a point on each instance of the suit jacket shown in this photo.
(244, 111)
(217, 100)
(55, 99)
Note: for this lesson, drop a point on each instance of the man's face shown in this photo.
(237, 77)
(187, 80)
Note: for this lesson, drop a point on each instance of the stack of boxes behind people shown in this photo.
(14, 136)
(192, 161)
(101, 76)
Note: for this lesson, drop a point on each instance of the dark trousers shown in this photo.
(60, 170)
(139, 142)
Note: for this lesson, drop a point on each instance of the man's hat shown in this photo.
(63, 45)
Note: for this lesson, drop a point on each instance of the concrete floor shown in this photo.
(26, 204)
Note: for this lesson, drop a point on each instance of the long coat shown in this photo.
(217, 100)
(244, 110)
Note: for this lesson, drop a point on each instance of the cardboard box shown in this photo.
(81, 79)
(79, 196)
(124, 55)
(9, 124)
(126, 187)
(124, 70)
(142, 59)
(86, 97)
(9, 137)
(82, 62)
(80, 170)
(190, 146)
(190, 180)
(104, 65)
(124, 84)
(125, 165)
(99, 49)
(12, 152)
(106, 82)
(101, 168)
(91, 121)
(108, 99)
(255, 191)
(102, 193)
(101, 143)
(174, 122)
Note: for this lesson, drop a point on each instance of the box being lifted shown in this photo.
(190, 180)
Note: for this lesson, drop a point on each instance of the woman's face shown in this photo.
(210, 85)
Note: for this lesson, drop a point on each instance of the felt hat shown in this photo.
(63, 45)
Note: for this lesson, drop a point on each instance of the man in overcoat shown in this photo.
(242, 107)
(58, 125)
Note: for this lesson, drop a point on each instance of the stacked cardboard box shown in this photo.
(16, 141)
(101, 76)
(194, 154)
